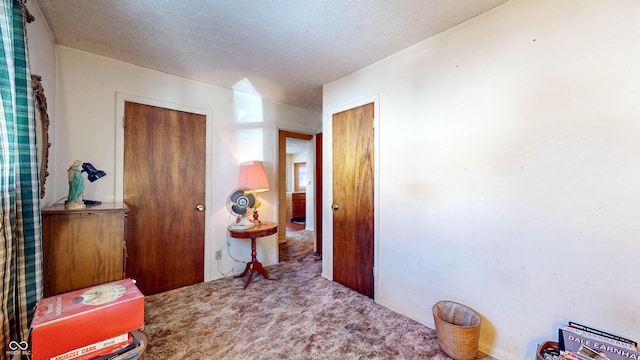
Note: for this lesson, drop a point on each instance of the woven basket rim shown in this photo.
(435, 306)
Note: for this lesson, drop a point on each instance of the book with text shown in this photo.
(615, 339)
(596, 347)
(136, 347)
(107, 346)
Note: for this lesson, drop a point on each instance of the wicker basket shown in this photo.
(458, 329)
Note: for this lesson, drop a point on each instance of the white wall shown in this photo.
(85, 92)
(508, 170)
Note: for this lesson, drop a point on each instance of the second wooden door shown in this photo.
(353, 188)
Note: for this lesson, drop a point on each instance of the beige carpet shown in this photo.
(298, 316)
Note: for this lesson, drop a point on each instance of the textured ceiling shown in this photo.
(287, 48)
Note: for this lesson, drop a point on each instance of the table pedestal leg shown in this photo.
(252, 266)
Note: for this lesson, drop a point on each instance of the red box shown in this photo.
(65, 322)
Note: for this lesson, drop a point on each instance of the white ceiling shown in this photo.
(287, 48)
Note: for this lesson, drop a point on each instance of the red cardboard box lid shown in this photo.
(65, 322)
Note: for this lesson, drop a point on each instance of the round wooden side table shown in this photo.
(260, 230)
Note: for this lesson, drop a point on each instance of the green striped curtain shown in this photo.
(20, 232)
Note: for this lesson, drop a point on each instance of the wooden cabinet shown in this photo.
(298, 206)
(83, 247)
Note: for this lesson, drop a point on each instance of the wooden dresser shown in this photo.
(298, 206)
(83, 247)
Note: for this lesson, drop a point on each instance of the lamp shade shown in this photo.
(253, 176)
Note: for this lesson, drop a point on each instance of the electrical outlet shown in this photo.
(218, 254)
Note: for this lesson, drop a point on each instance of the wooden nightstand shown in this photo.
(83, 247)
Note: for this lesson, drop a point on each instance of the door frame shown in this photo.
(282, 171)
(327, 180)
(118, 172)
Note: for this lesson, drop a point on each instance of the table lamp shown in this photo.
(253, 177)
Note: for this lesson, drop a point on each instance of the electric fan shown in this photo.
(240, 203)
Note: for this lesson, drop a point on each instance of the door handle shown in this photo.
(200, 207)
(335, 207)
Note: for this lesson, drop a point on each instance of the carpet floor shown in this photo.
(300, 315)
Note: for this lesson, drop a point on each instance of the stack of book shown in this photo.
(122, 347)
(101, 322)
(579, 342)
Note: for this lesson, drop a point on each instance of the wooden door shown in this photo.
(353, 172)
(164, 186)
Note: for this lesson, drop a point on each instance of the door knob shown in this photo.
(200, 207)
(334, 207)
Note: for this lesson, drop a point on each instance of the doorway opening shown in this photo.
(297, 182)
(296, 196)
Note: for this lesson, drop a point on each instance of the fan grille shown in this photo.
(240, 202)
